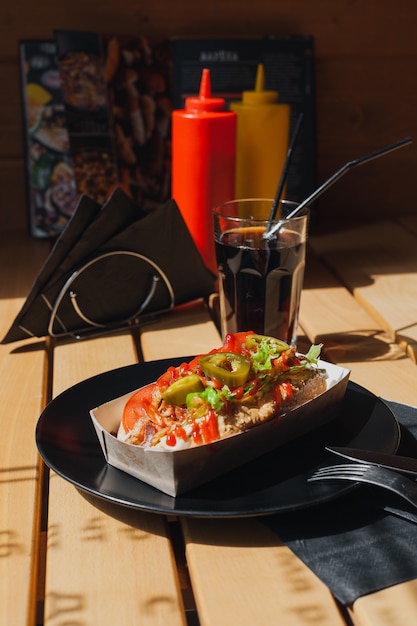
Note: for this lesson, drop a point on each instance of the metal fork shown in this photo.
(370, 474)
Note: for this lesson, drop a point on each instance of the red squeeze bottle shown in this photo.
(203, 164)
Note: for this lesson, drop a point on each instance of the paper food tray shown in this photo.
(178, 471)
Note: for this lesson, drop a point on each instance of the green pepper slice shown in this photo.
(275, 345)
(229, 368)
(178, 391)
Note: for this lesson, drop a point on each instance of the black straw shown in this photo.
(285, 169)
(369, 157)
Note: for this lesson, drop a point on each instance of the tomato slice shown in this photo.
(139, 405)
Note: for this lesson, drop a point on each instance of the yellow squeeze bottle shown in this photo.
(263, 126)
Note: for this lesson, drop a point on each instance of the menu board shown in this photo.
(51, 189)
(233, 62)
(138, 78)
(84, 93)
(117, 94)
(112, 102)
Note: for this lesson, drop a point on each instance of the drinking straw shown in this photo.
(364, 159)
(284, 172)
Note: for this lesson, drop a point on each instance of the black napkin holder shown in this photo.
(115, 269)
(87, 301)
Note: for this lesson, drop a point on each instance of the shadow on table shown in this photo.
(363, 345)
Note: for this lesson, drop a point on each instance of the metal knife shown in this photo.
(402, 464)
(404, 513)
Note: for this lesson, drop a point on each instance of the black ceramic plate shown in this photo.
(273, 483)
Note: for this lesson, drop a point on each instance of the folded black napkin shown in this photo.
(113, 264)
(352, 544)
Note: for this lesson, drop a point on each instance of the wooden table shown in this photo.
(68, 559)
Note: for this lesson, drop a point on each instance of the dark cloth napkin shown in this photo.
(112, 264)
(352, 544)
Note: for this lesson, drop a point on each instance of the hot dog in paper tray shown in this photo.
(207, 416)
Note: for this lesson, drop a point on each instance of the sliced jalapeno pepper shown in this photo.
(177, 392)
(253, 341)
(229, 368)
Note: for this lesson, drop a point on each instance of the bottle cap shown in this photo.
(260, 95)
(204, 101)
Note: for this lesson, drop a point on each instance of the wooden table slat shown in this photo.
(390, 607)
(185, 331)
(352, 338)
(241, 568)
(20, 476)
(108, 565)
(100, 569)
(378, 263)
(22, 397)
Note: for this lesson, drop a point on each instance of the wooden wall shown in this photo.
(366, 81)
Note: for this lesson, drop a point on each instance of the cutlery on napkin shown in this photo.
(401, 464)
(353, 546)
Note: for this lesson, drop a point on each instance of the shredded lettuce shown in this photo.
(308, 359)
(211, 396)
(313, 354)
(266, 351)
